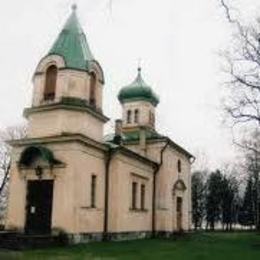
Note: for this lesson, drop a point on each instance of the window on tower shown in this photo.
(151, 118)
(50, 83)
(92, 93)
(136, 116)
(129, 117)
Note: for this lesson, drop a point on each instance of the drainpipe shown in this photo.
(106, 199)
(154, 188)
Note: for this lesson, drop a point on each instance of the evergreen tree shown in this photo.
(246, 216)
(229, 201)
(198, 199)
(213, 199)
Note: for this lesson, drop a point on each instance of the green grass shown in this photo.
(213, 246)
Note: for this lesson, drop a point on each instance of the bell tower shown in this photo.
(138, 102)
(68, 88)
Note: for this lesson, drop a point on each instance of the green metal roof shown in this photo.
(32, 152)
(134, 136)
(138, 90)
(72, 44)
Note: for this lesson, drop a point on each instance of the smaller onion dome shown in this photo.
(138, 90)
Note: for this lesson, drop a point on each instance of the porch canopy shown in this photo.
(34, 153)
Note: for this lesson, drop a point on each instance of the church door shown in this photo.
(39, 207)
(179, 213)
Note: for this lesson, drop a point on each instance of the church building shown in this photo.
(66, 176)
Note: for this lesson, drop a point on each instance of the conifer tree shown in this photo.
(198, 199)
(213, 199)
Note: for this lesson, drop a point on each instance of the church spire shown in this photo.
(72, 44)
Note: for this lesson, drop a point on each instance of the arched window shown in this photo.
(136, 116)
(179, 166)
(92, 90)
(129, 117)
(50, 83)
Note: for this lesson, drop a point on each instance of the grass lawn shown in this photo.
(219, 246)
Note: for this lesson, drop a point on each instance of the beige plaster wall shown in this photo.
(58, 121)
(166, 178)
(122, 218)
(70, 83)
(72, 191)
(144, 108)
(167, 197)
(71, 198)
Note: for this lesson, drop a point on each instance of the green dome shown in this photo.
(72, 44)
(138, 90)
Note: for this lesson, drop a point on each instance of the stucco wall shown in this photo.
(70, 83)
(144, 108)
(59, 121)
(122, 218)
(71, 197)
(166, 178)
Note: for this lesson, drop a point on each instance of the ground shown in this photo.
(213, 246)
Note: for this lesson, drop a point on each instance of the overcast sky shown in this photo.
(176, 40)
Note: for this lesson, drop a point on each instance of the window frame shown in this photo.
(93, 89)
(129, 116)
(142, 196)
(136, 115)
(134, 195)
(50, 85)
(93, 191)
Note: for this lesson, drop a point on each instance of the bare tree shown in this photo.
(10, 133)
(251, 149)
(243, 68)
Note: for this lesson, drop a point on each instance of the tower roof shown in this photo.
(138, 90)
(72, 44)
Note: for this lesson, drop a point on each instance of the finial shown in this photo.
(74, 7)
(139, 69)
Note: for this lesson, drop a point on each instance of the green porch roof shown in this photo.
(138, 90)
(32, 152)
(72, 44)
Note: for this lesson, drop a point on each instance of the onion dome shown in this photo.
(138, 91)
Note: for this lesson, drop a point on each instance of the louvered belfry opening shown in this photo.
(50, 83)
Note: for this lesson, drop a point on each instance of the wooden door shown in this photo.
(179, 213)
(39, 207)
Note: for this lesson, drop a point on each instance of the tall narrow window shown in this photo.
(142, 196)
(93, 191)
(50, 83)
(92, 93)
(134, 193)
(179, 166)
(151, 118)
(136, 116)
(129, 116)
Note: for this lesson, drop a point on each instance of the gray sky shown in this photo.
(177, 41)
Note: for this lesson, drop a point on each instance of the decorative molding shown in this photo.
(140, 176)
